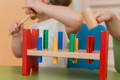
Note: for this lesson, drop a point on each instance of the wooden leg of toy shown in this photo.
(35, 34)
(103, 55)
(25, 65)
(25, 58)
(35, 65)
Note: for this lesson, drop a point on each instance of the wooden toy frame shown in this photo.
(30, 54)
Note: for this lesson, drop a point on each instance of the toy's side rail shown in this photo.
(65, 54)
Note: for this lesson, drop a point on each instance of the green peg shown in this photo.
(72, 44)
(46, 39)
(43, 39)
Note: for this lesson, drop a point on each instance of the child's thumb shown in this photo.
(100, 19)
(26, 7)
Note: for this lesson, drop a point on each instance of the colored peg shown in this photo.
(60, 40)
(55, 49)
(39, 59)
(89, 18)
(76, 44)
(72, 44)
(45, 39)
(90, 46)
(76, 49)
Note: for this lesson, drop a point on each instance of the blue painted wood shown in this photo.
(82, 35)
(39, 59)
(60, 40)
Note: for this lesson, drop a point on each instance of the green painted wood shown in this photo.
(72, 44)
(116, 45)
(46, 39)
(14, 73)
(43, 39)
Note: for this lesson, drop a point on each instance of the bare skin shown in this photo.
(73, 21)
(112, 22)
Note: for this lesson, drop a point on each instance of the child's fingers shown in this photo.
(31, 13)
(101, 19)
(98, 14)
(15, 28)
(28, 11)
(12, 28)
(26, 7)
(19, 27)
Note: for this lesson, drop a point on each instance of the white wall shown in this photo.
(76, 5)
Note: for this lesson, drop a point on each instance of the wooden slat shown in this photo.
(65, 54)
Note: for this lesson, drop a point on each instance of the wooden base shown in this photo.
(65, 54)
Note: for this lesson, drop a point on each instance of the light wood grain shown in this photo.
(65, 54)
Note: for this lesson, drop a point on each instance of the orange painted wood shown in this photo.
(55, 49)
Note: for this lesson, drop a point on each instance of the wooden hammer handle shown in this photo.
(22, 21)
(89, 18)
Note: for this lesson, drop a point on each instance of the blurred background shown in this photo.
(11, 10)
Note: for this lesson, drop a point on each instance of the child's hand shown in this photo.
(104, 16)
(33, 7)
(30, 12)
(15, 29)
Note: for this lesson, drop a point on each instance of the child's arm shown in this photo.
(72, 19)
(112, 22)
(16, 43)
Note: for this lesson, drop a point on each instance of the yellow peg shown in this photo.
(55, 49)
(76, 49)
(76, 44)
